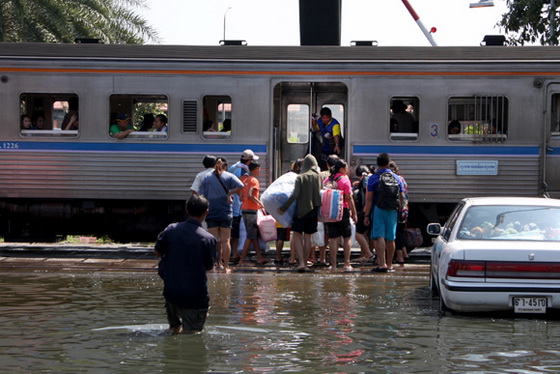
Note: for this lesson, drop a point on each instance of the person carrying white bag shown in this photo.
(307, 193)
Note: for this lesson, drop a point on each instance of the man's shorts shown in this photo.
(225, 223)
(306, 224)
(250, 220)
(283, 234)
(190, 319)
(384, 224)
(341, 228)
(235, 223)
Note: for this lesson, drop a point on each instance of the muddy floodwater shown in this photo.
(261, 322)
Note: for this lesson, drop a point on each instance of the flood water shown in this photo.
(265, 323)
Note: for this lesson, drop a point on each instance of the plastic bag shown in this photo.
(277, 194)
(267, 226)
(331, 205)
(318, 238)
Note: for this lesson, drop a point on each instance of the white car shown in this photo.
(498, 254)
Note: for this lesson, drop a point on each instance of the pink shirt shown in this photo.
(344, 185)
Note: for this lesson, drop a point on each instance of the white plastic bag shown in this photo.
(277, 194)
(318, 239)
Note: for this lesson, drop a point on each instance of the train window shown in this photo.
(216, 121)
(403, 122)
(298, 123)
(144, 115)
(478, 118)
(49, 115)
(555, 115)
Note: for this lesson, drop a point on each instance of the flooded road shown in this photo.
(260, 322)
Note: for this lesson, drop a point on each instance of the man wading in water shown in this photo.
(187, 252)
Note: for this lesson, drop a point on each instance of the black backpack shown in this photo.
(388, 191)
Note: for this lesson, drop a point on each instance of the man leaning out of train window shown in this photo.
(122, 126)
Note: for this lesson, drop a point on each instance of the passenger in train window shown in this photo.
(394, 125)
(39, 121)
(226, 126)
(72, 109)
(73, 122)
(404, 119)
(160, 123)
(454, 127)
(330, 131)
(122, 127)
(26, 123)
(147, 122)
(208, 125)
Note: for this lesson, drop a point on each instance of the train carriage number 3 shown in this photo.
(435, 131)
(10, 145)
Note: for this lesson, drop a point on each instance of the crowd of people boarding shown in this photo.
(234, 197)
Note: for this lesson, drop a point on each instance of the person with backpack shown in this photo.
(384, 198)
(339, 180)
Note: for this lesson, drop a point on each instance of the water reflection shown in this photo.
(261, 323)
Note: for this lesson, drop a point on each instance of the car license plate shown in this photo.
(529, 304)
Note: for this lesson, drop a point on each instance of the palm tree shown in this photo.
(63, 21)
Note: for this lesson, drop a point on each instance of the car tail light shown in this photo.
(520, 270)
(509, 270)
(474, 269)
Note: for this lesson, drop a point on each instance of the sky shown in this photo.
(266, 22)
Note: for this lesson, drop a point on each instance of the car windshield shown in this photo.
(507, 222)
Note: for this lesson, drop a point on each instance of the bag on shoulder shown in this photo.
(332, 201)
(388, 192)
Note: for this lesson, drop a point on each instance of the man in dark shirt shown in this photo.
(187, 251)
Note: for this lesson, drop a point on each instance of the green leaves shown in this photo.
(529, 21)
(61, 21)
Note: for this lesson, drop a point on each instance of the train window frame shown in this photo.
(407, 100)
(136, 106)
(298, 126)
(216, 109)
(36, 103)
(555, 114)
(478, 114)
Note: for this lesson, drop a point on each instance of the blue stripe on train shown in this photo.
(497, 150)
(133, 147)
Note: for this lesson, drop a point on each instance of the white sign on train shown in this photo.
(466, 167)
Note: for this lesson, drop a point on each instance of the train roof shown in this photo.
(278, 53)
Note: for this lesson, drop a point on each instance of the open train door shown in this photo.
(552, 146)
(294, 103)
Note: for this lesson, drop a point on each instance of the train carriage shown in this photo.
(56, 180)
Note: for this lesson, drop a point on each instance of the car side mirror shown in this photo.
(433, 229)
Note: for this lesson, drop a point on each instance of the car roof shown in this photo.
(500, 200)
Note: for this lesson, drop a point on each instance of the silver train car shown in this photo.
(502, 102)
